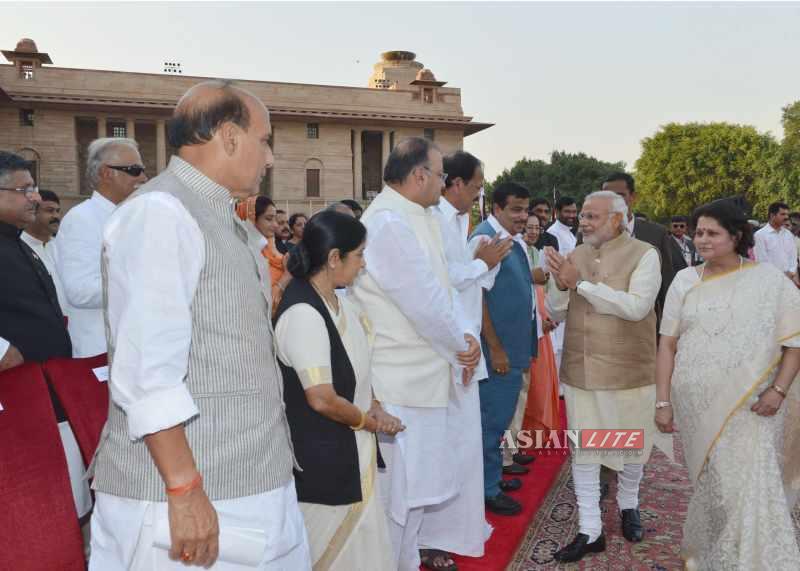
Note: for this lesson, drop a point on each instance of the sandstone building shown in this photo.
(330, 142)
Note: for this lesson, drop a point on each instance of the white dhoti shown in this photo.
(611, 409)
(76, 469)
(420, 472)
(459, 524)
(128, 534)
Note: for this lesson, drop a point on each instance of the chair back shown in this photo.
(83, 397)
(38, 519)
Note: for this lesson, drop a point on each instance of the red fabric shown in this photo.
(84, 398)
(542, 411)
(510, 530)
(38, 519)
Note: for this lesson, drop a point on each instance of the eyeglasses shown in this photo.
(442, 176)
(591, 217)
(679, 225)
(130, 170)
(28, 191)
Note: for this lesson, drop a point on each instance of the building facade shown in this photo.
(330, 142)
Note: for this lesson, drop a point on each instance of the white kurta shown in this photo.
(611, 409)
(80, 240)
(47, 253)
(776, 247)
(459, 524)
(352, 536)
(405, 274)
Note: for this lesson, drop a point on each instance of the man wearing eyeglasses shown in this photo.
(31, 323)
(684, 253)
(113, 170)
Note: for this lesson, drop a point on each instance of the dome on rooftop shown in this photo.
(425, 75)
(27, 45)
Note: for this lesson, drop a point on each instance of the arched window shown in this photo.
(313, 168)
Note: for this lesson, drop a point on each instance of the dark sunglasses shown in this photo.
(130, 170)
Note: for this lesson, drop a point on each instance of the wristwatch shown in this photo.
(663, 404)
(578, 284)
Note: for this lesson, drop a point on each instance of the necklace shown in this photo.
(721, 309)
(703, 269)
(333, 303)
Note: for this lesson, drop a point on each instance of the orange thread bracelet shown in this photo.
(186, 488)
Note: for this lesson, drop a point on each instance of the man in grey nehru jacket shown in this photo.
(194, 466)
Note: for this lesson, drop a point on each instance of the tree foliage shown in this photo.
(571, 174)
(684, 166)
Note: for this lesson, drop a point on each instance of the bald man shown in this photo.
(195, 463)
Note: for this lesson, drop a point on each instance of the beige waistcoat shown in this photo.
(605, 352)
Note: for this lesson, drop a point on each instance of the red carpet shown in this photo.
(509, 531)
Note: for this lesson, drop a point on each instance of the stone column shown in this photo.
(161, 146)
(386, 150)
(101, 127)
(357, 183)
(130, 129)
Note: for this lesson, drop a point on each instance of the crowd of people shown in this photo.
(295, 392)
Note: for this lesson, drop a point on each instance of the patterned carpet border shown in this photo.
(664, 498)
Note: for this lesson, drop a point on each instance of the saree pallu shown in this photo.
(731, 330)
(542, 409)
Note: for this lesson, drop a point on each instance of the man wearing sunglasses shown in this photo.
(684, 254)
(113, 171)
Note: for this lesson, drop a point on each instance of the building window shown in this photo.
(26, 70)
(427, 95)
(26, 117)
(391, 141)
(429, 134)
(119, 131)
(312, 183)
(312, 130)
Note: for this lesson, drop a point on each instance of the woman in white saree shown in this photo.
(324, 347)
(728, 355)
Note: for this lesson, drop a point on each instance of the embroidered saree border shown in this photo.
(352, 518)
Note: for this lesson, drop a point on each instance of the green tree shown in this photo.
(685, 165)
(571, 174)
(783, 179)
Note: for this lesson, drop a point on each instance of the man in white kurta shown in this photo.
(775, 244)
(608, 256)
(111, 164)
(40, 237)
(459, 524)
(419, 336)
(195, 462)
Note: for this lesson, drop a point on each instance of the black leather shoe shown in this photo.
(580, 547)
(501, 504)
(632, 525)
(523, 459)
(511, 485)
(515, 470)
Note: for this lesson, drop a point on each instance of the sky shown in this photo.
(578, 77)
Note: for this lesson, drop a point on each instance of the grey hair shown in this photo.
(616, 204)
(99, 152)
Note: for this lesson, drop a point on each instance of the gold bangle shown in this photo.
(361, 424)
(778, 390)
